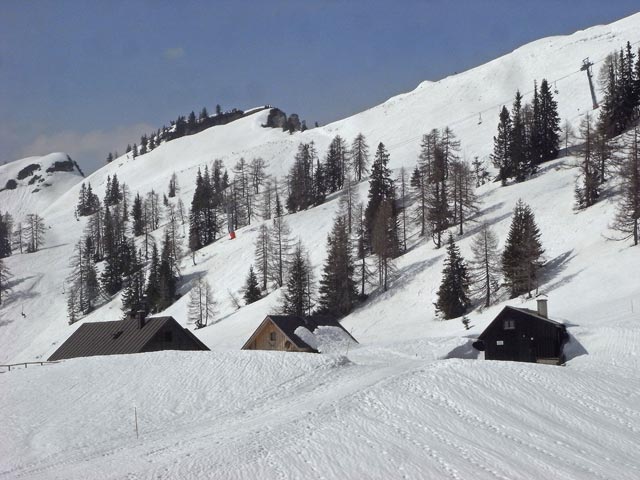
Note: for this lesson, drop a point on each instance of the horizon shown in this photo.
(102, 90)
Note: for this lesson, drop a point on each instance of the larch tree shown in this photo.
(461, 188)
(359, 157)
(262, 256)
(384, 242)
(34, 232)
(5, 277)
(280, 250)
(485, 265)
(627, 217)
(202, 305)
(453, 294)
(587, 190)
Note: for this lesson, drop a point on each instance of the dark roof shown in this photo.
(523, 313)
(113, 338)
(289, 323)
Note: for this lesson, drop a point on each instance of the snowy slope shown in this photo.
(38, 188)
(395, 408)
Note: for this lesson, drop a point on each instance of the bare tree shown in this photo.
(485, 266)
(628, 210)
(280, 249)
(34, 232)
(402, 182)
(262, 254)
(462, 191)
(348, 200)
(569, 134)
(587, 188)
(383, 242)
(202, 305)
(359, 157)
(5, 276)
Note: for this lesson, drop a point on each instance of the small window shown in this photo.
(509, 324)
(168, 336)
(117, 334)
(287, 345)
(272, 336)
(499, 342)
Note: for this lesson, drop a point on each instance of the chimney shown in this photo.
(542, 307)
(140, 317)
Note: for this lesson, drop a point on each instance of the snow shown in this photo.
(400, 404)
(326, 339)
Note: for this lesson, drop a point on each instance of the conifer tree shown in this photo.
(359, 157)
(133, 296)
(518, 149)
(453, 300)
(297, 292)
(152, 289)
(137, 216)
(6, 225)
(549, 123)
(485, 266)
(501, 157)
(521, 258)
(627, 217)
(438, 213)
(173, 185)
(337, 287)
(363, 271)
(83, 279)
(336, 164)
(251, 291)
(381, 190)
(202, 305)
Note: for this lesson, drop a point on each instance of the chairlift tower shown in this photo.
(586, 66)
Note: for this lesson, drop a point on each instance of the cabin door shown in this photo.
(526, 349)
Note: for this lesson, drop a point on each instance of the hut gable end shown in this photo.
(519, 334)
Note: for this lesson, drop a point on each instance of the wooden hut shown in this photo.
(277, 332)
(523, 335)
(136, 334)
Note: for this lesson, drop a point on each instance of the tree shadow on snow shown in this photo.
(553, 271)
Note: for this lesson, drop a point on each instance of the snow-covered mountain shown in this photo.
(395, 408)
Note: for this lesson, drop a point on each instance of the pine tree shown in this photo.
(381, 190)
(485, 266)
(251, 291)
(402, 210)
(453, 300)
(133, 296)
(168, 274)
(363, 270)
(549, 124)
(359, 157)
(202, 305)
(6, 225)
(627, 217)
(137, 216)
(501, 157)
(518, 149)
(587, 190)
(301, 180)
(337, 290)
(5, 277)
(111, 278)
(297, 292)
(173, 185)
(83, 279)
(152, 289)
(336, 164)
(521, 258)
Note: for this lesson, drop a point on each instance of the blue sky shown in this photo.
(88, 77)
